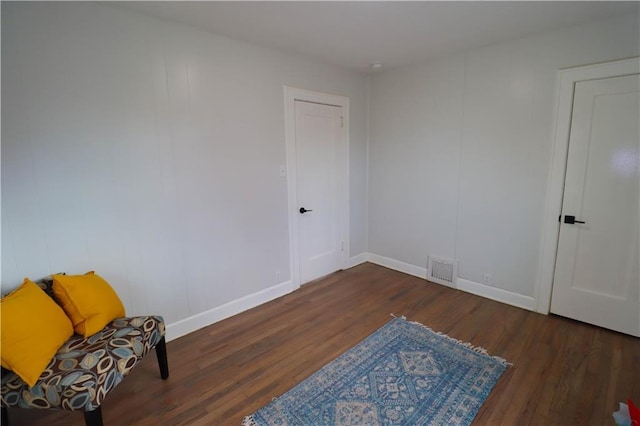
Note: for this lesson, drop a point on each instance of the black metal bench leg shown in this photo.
(5, 417)
(161, 352)
(93, 418)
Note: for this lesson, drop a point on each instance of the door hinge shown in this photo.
(341, 122)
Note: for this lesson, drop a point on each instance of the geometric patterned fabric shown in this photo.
(402, 374)
(84, 370)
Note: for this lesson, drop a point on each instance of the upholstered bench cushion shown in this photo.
(84, 370)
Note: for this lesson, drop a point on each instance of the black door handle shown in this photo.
(303, 210)
(571, 220)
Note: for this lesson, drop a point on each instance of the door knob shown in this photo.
(571, 220)
(303, 210)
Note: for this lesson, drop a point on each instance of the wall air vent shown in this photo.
(442, 270)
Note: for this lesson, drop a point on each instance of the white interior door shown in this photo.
(318, 139)
(596, 275)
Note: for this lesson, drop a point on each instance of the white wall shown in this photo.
(150, 152)
(460, 152)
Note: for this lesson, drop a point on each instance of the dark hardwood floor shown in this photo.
(564, 372)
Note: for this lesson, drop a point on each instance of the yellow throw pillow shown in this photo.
(88, 300)
(33, 328)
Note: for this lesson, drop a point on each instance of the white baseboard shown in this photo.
(493, 293)
(497, 294)
(203, 319)
(358, 259)
(397, 265)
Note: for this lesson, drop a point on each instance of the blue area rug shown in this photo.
(402, 374)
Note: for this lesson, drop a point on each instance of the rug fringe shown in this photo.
(468, 345)
(249, 421)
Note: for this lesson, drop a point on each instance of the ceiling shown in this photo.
(356, 34)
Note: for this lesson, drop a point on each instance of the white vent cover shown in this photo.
(442, 270)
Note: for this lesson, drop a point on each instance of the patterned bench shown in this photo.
(85, 370)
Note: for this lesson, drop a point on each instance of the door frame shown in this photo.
(292, 94)
(565, 86)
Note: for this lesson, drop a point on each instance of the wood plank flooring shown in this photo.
(564, 372)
